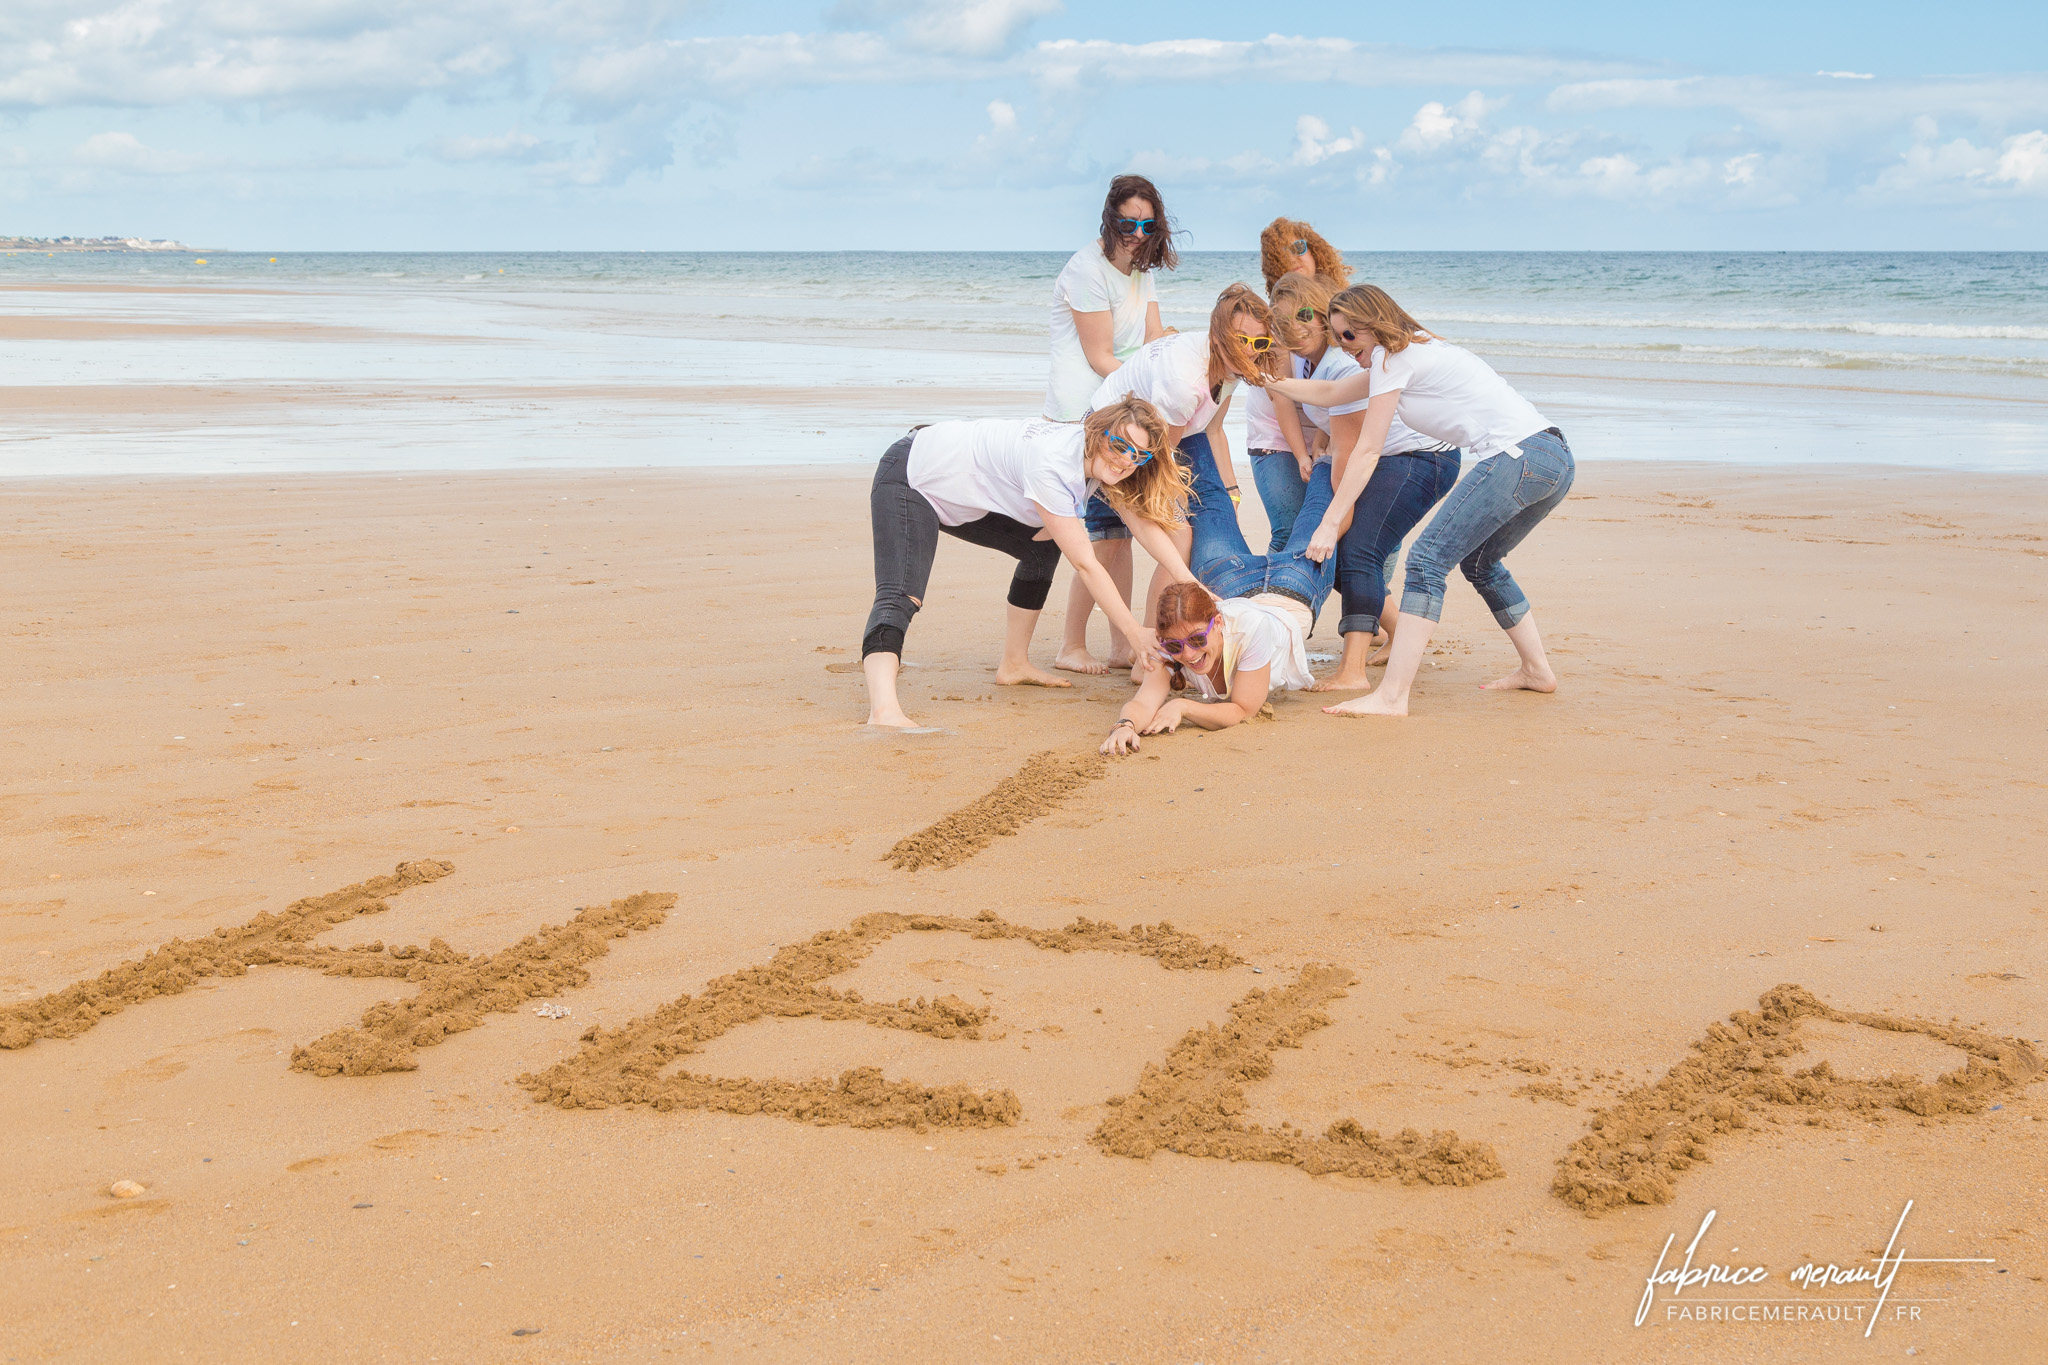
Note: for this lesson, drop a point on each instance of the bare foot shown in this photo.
(1374, 705)
(1382, 645)
(1340, 681)
(1524, 679)
(893, 720)
(1081, 661)
(1121, 658)
(1027, 676)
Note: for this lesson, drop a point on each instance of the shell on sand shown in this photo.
(124, 1189)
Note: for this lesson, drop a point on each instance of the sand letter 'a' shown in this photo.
(631, 1064)
(455, 990)
(1193, 1102)
(1736, 1078)
(1039, 786)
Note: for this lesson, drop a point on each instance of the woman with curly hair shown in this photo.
(1019, 487)
(1290, 246)
(1278, 445)
(1189, 377)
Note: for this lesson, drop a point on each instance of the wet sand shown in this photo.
(1452, 963)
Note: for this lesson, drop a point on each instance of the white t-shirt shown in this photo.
(1257, 635)
(1449, 394)
(1172, 374)
(1261, 427)
(1337, 364)
(1090, 284)
(968, 469)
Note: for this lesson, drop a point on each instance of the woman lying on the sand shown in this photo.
(1525, 469)
(1018, 487)
(1189, 377)
(1236, 636)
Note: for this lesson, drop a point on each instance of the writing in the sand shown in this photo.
(1813, 1275)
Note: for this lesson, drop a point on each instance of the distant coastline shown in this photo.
(51, 245)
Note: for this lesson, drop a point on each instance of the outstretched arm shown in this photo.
(1354, 468)
(1289, 418)
(1248, 690)
(1071, 535)
(1160, 546)
(1137, 713)
(1324, 393)
(1219, 446)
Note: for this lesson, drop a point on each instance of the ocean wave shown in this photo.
(1931, 331)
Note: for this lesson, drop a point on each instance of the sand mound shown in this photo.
(1637, 1147)
(626, 1065)
(1041, 784)
(1190, 1104)
(266, 940)
(455, 991)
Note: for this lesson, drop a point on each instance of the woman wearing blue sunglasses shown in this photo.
(1019, 487)
(1104, 307)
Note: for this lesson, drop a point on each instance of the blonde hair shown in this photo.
(1368, 307)
(1156, 491)
(1291, 293)
(1276, 255)
(1227, 359)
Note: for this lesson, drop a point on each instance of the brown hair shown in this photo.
(1367, 306)
(1154, 252)
(1184, 604)
(1227, 359)
(1156, 490)
(1291, 293)
(1276, 252)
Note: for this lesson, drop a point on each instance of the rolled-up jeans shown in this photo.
(1487, 515)
(1237, 572)
(1281, 489)
(1397, 497)
(907, 540)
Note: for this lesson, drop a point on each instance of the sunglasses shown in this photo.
(1301, 246)
(1304, 314)
(1135, 227)
(1346, 335)
(1139, 458)
(1194, 641)
(1258, 345)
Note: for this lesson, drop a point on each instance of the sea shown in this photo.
(400, 361)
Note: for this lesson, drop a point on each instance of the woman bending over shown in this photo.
(1189, 377)
(1525, 469)
(1018, 487)
(1407, 473)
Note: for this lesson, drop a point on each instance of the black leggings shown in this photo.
(907, 539)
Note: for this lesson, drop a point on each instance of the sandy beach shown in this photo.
(1470, 975)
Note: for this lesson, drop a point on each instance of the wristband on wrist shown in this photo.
(1123, 721)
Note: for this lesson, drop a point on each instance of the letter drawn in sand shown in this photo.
(626, 1065)
(1639, 1145)
(455, 989)
(1045, 781)
(1191, 1103)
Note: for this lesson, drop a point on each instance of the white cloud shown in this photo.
(515, 145)
(126, 152)
(1002, 116)
(961, 28)
(1437, 126)
(1849, 75)
(1960, 170)
(1313, 143)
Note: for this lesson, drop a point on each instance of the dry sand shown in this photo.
(1310, 1040)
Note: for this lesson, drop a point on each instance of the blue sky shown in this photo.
(906, 124)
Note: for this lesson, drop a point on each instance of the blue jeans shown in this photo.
(1486, 516)
(1209, 507)
(1281, 489)
(1397, 497)
(1230, 569)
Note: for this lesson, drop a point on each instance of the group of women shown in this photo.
(1359, 421)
